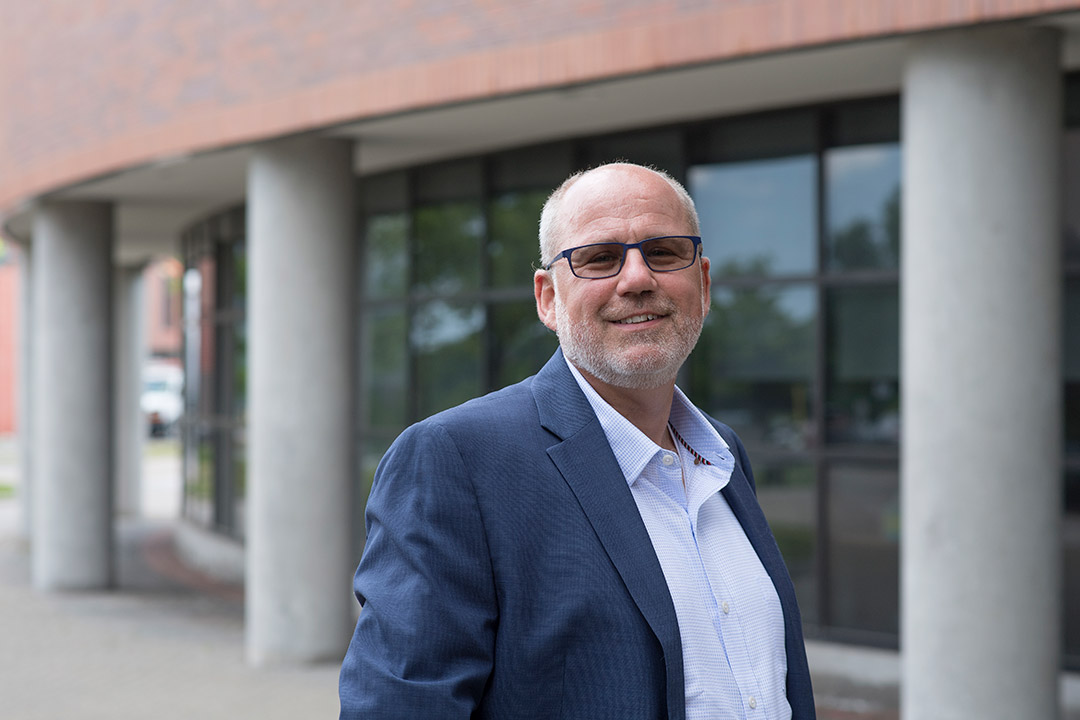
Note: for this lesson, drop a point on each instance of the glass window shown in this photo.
(757, 217)
(449, 182)
(199, 477)
(1071, 547)
(239, 279)
(215, 370)
(864, 547)
(513, 246)
(863, 364)
(659, 148)
(540, 166)
(447, 339)
(863, 190)
(385, 368)
(239, 480)
(239, 408)
(386, 264)
(788, 496)
(757, 137)
(521, 343)
(1071, 363)
(864, 122)
(754, 365)
(1071, 146)
(385, 194)
(449, 238)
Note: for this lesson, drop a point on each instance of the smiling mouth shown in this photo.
(634, 320)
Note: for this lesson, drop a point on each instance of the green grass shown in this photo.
(161, 447)
(6, 491)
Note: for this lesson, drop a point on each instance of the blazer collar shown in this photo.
(584, 457)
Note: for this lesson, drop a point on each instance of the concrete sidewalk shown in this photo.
(168, 643)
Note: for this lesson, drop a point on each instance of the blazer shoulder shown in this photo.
(510, 410)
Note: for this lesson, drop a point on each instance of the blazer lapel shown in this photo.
(744, 505)
(586, 462)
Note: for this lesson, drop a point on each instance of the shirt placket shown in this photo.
(724, 606)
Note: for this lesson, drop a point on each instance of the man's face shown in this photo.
(633, 330)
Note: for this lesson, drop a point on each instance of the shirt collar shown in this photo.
(633, 449)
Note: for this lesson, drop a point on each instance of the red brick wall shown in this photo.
(87, 87)
(9, 312)
(163, 298)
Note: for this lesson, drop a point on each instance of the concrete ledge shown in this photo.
(214, 554)
(881, 669)
(861, 665)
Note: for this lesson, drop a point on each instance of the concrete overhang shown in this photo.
(156, 201)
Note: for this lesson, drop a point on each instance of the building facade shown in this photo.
(890, 197)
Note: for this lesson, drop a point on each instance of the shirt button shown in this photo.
(668, 460)
(725, 607)
(753, 702)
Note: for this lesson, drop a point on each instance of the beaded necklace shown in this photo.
(698, 460)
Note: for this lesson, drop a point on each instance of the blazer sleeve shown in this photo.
(424, 642)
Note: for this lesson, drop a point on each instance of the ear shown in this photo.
(544, 290)
(706, 287)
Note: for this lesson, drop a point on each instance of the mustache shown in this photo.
(619, 311)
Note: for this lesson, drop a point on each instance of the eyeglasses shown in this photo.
(604, 260)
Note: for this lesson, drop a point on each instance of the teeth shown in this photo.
(637, 319)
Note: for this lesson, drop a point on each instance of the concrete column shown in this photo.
(981, 325)
(301, 321)
(23, 409)
(129, 351)
(72, 396)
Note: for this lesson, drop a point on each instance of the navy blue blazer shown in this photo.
(507, 572)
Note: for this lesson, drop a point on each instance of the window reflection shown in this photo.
(1071, 146)
(1071, 367)
(239, 478)
(864, 546)
(788, 496)
(754, 364)
(863, 362)
(385, 368)
(513, 246)
(522, 344)
(215, 368)
(386, 245)
(448, 242)
(1071, 546)
(758, 217)
(448, 342)
(863, 207)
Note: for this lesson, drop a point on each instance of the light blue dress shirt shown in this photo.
(730, 620)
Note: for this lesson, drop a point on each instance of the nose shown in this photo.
(635, 276)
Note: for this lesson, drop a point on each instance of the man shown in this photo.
(586, 543)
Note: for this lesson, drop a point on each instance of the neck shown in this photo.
(647, 409)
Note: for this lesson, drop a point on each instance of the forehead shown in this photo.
(623, 203)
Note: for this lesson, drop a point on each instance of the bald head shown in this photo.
(558, 216)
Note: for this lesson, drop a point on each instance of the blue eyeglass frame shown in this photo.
(627, 247)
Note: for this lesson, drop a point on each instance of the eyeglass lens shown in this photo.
(605, 259)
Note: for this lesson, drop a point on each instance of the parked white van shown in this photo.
(162, 396)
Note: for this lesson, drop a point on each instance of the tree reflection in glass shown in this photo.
(863, 207)
(449, 237)
(863, 351)
(447, 339)
(758, 216)
(754, 365)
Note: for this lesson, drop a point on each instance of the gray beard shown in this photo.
(653, 370)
